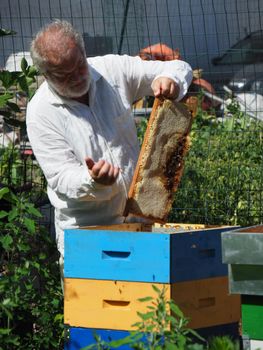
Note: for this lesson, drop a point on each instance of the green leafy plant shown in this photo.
(222, 178)
(31, 298)
(13, 83)
(164, 325)
(17, 170)
(141, 127)
(223, 343)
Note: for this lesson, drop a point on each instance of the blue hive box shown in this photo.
(144, 256)
(79, 338)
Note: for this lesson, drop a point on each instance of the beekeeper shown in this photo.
(80, 123)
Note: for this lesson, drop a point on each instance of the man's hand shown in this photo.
(164, 87)
(102, 172)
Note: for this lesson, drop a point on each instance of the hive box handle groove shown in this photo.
(110, 254)
(116, 304)
(207, 253)
(206, 302)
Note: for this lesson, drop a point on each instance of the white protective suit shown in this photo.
(62, 132)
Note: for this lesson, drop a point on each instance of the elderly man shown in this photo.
(80, 123)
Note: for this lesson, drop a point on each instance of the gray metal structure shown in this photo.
(201, 29)
(242, 251)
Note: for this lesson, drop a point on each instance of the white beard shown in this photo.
(71, 92)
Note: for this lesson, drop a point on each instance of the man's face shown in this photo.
(70, 78)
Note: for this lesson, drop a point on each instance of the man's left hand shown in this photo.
(164, 87)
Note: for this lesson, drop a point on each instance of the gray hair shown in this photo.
(54, 31)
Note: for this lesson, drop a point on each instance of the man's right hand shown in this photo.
(102, 172)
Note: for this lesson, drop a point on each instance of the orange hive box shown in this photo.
(105, 304)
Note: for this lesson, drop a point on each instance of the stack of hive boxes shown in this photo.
(107, 271)
(243, 251)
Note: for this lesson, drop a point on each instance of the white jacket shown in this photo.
(62, 132)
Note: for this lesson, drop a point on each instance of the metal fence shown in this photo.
(221, 39)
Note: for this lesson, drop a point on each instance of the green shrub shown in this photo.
(222, 179)
(223, 343)
(30, 291)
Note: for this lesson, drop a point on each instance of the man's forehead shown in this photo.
(68, 65)
(66, 62)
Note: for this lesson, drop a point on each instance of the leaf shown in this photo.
(4, 98)
(224, 343)
(142, 300)
(3, 191)
(146, 316)
(120, 342)
(194, 333)
(31, 93)
(158, 347)
(30, 81)
(136, 325)
(55, 302)
(196, 347)
(3, 214)
(171, 346)
(32, 210)
(6, 302)
(30, 225)
(36, 265)
(156, 289)
(42, 256)
(7, 79)
(6, 242)
(23, 247)
(13, 214)
(13, 198)
(176, 310)
(151, 307)
(24, 65)
(32, 72)
(59, 318)
(23, 84)
(4, 32)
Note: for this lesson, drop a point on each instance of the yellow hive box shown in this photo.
(114, 304)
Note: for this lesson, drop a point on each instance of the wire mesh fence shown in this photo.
(221, 39)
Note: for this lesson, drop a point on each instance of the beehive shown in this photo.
(107, 271)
